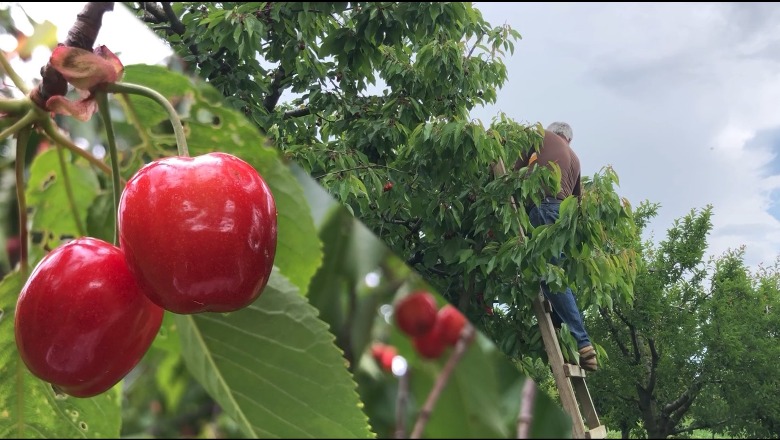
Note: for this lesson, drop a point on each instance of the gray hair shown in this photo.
(561, 128)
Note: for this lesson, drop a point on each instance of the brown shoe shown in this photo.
(588, 360)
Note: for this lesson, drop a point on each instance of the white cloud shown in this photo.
(672, 95)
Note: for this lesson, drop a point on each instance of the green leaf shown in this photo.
(274, 368)
(299, 250)
(48, 198)
(167, 338)
(170, 380)
(214, 127)
(100, 217)
(29, 407)
(351, 251)
(477, 388)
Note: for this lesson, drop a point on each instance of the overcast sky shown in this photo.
(682, 99)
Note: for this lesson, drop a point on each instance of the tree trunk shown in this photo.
(625, 430)
(651, 416)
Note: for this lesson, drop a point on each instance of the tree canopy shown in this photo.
(362, 94)
(697, 335)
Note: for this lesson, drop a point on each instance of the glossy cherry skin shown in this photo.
(199, 233)
(451, 321)
(82, 322)
(415, 313)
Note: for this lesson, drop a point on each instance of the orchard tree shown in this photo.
(107, 314)
(742, 337)
(373, 100)
(695, 338)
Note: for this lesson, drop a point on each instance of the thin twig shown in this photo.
(22, 138)
(17, 80)
(152, 12)
(401, 402)
(476, 43)
(441, 381)
(14, 105)
(526, 414)
(23, 122)
(81, 35)
(297, 113)
(176, 24)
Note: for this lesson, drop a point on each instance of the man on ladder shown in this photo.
(556, 148)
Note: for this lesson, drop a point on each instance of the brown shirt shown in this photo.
(556, 149)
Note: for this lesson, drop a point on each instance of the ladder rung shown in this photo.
(569, 379)
(597, 432)
(573, 370)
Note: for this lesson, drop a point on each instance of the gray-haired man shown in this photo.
(555, 148)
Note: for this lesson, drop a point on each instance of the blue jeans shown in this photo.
(563, 303)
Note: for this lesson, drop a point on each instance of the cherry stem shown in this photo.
(178, 128)
(15, 78)
(17, 126)
(526, 414)
(105, 113)
(14, 105)
(58, 138)
(69, 191)
(466, 336)
(22, 138)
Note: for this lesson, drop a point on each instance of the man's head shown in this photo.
(562, 129)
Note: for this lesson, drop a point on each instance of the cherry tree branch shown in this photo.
(466, 336)
(82, 35)
(525, 417)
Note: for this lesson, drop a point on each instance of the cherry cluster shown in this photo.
(432, 329)
(195, 235)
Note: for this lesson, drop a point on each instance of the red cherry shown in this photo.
(430, 345)
(451, 322)
(387, 358)
(377, 348)
(388, 186)
(383, 354)
(82, 322)
(199, 233)
(415, 313)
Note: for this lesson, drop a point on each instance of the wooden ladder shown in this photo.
(570, 379)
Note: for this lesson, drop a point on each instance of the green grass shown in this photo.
(699, 433)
